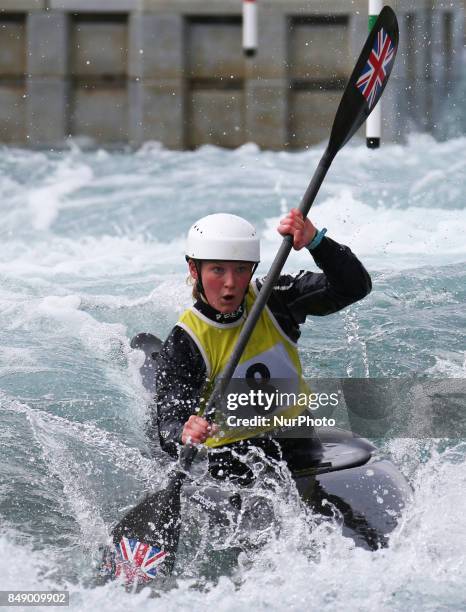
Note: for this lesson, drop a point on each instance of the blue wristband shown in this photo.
(317, 239)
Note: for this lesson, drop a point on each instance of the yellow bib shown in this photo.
(268, 346)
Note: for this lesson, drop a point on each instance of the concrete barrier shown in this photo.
(126, 71)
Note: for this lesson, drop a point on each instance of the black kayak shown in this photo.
(365, 492)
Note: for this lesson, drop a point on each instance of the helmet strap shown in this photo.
(254, 268)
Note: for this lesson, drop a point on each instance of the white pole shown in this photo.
(374, 121)
(249, 27)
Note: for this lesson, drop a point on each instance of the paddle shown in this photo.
(148, 535)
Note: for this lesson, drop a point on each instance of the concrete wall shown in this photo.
(127, 71)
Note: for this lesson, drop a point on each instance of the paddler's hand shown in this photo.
(302, 231)
(196, 430)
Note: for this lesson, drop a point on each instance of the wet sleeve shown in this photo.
(180, 375)
(343, 281)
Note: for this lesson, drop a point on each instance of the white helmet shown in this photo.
(223, 237)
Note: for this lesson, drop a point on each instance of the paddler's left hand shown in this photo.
(303, 231)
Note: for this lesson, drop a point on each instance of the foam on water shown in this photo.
(92, 252)
(79, 214)
(422, 569)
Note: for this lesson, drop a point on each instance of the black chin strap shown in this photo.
(199, 286)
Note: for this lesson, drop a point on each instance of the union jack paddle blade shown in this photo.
(368, 79)
(132, 561)
(377, 67)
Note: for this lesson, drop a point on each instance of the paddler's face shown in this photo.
(224, 282)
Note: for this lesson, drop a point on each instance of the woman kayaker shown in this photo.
(223, 252)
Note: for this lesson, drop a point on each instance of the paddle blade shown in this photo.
(368, 80)
(145, 540)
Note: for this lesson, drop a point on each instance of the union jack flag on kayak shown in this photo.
(136, 561)
(375, 70)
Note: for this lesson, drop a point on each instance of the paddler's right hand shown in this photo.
(196, 430)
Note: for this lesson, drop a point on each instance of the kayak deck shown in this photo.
(364, 493)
